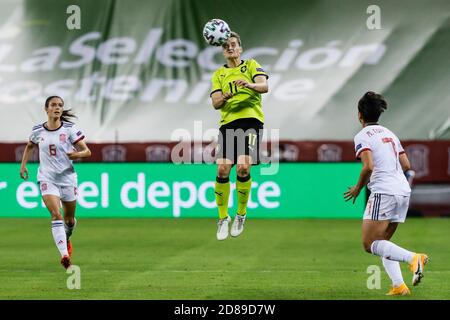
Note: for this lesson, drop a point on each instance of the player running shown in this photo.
(387, 167)
(60, 142)
(236, 91)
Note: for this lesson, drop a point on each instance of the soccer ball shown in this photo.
(216, 32)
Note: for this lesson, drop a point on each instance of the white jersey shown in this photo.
(54, 164)
(387, 176)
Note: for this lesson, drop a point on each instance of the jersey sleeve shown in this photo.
(35, 134)
(34, 137)
(216, 86)
(257, 70)
(75, 135)
(361, 145)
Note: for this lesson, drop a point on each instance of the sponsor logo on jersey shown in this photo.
(62, 138)
(359, 146)
(79, 133)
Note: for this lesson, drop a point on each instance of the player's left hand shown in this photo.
(72, 155)
(352, 193)
(243, 83)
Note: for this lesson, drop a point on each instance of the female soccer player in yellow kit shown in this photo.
(236, 91)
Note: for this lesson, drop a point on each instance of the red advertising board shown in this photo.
(430, 159)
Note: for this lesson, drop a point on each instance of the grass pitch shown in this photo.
(181, 259)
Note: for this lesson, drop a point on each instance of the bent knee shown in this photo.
(367, 246)
(243, 170)
(223, 171)
(70, 221)
(56, 214)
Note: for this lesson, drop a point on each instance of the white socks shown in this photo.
(59, 235)
(391, 251)
(393, 270)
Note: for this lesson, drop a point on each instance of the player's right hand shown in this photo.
(24, 173)
(352, 193)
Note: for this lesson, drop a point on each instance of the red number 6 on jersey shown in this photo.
(52, 149)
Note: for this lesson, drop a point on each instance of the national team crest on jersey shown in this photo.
(62, 138)
(243, 69)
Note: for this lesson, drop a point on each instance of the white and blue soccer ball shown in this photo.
(216, 32)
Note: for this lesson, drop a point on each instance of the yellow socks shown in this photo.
(243, 187)
(222, 191)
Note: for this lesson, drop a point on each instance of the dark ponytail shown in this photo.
(67, 115)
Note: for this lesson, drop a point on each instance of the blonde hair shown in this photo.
(235, 35)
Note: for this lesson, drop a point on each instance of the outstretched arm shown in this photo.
(366, 172)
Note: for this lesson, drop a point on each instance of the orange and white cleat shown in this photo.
(401, 290)
(69, 248)
(65, 261)
(417, 265)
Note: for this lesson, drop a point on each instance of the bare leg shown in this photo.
(374, 230)
(53, 205)
(69, 216)
(59, 235)
(69, 212)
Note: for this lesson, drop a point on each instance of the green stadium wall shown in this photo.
(135, 71)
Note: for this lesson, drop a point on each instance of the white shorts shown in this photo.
(65, 193)
(387, 207)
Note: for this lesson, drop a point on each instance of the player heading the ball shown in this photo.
(236, 91)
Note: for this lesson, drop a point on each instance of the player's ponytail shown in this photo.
(67, 115)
